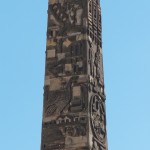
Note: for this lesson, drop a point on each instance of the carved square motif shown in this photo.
(55, 84)
(51, 53)
(68, 67)
(60, 56)
(76, 91)
(67, 43)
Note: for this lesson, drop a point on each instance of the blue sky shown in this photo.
(126, 49)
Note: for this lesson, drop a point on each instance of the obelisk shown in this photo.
(74, 115)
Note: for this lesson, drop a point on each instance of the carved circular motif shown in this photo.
(98, 118)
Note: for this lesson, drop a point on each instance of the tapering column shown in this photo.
(74, 100)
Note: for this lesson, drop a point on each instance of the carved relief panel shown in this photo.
(67, 58)
(66, 132)
(98, 120)
(65, 95)
(96, 78)
(95, 59)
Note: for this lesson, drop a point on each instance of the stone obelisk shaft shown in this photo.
(74, 99)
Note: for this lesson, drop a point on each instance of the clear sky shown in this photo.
(126, 49)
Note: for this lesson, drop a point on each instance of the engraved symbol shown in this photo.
(98, 118)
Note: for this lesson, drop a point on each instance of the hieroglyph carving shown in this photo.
(69, 60)
(71, 97)
(98, 120)
(95, 59)
(68, 12)
(68, 16)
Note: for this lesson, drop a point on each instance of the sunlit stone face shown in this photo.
(74, 101)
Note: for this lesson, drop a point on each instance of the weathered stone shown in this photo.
(74, 100)
(77, 91)
(51, 53)
(68, 67)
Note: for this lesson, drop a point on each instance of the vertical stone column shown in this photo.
(74, 100)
